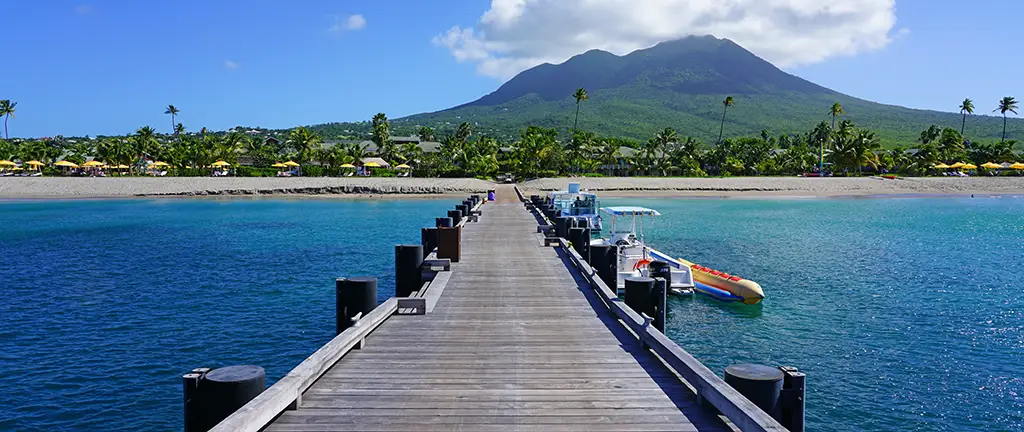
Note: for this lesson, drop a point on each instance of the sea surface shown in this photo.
(905, 313)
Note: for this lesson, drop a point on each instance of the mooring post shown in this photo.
(562, 227)
(761, 384)
(792, 400)
(212, 396)
(576, 238)
(444, 222)
(639, 293)
(353, 296)
(408, 269)
(449, 243)
(456, 216)
(428, 238)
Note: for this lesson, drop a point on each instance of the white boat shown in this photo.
(626, 234)
(578, 204)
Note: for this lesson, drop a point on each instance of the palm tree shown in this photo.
(728, 102)
(664, 138)
(179, 129)
(835, 111)
(173, 111)
(1008, 103)
(580, 96)
(966, 107)
(7, 111)
(426, 133)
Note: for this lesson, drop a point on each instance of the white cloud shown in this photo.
(517, 34)
(349, 23)
(230, 65)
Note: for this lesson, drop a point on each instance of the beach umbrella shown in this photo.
(66, 164)
(122, 166)
(403, 166)
(347, 166)
(957, 165)
(93, 163)
(291, 164)
(991, 165)
(279, 165)
(7, 163)
(941, 166)
(220, 164)
(1017, 166)
(970, 166)
(372, 165)
(159, 164)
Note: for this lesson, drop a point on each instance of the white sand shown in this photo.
(65, 187)
(785, 186)
(96, 187)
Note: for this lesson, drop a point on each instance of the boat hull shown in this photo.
(716, 283)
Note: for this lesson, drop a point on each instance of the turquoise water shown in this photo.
(107, 303)
(905, 313)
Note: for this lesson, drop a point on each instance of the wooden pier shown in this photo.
(516, 337)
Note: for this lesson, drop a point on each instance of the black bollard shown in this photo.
(584, 249)
(211, 397)
(598, 260)
(582, 222)
(428, 238)
(792, 399)
(639, 295)
(562, 226)
(761, 384)
(576, 238)
(456, 216)
(463, 208)
(444, 222)
(408, 272)
(660, 303)
(353, 296)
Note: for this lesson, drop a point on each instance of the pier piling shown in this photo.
(456, 216)
(408, 272)
(449, 243)
(647, 296)
(353, 296)
(428, 238)
(761, 384)
(791, 399)
(444, 222)
(211, 396)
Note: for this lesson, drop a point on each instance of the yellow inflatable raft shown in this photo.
(723, 286)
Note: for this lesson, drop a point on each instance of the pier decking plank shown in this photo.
(516, 342)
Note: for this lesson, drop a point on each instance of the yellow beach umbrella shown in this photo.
(220, 164)
(1017, 166)
(65, 163)
(372, 165)
(279, 165)
(159, 164)
(17, 168)
(34, 163)
(347, 166)
(122, 166)
(291, 164)
(970, 166)
(7, 163)
(991, 165)
(941, 166)
(403, 166)
(957, 165)
(93, 163)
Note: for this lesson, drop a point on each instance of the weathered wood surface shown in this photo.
(517, 342)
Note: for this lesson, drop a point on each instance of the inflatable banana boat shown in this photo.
(723, 286)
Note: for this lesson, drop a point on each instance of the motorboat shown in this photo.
(578, 204)
(625, 233)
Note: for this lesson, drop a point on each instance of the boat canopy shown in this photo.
(630, 211)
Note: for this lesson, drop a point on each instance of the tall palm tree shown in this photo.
(173, 111)
(966, 107)
(835, 111)
(1008, 103)
(664, 138)
(7, 111)
(580, 96)
(728, 102)
(179, 129)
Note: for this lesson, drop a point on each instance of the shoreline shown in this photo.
(332, 188)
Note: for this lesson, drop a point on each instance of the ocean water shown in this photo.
(906, 314)
(107, 303)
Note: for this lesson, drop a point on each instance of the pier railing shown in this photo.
(709, 387)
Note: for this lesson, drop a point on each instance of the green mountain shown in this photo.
(681, 84)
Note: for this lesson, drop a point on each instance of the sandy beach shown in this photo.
(108, 187)
(68, 187)
(785, 186)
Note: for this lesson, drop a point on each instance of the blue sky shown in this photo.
(109, 67)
